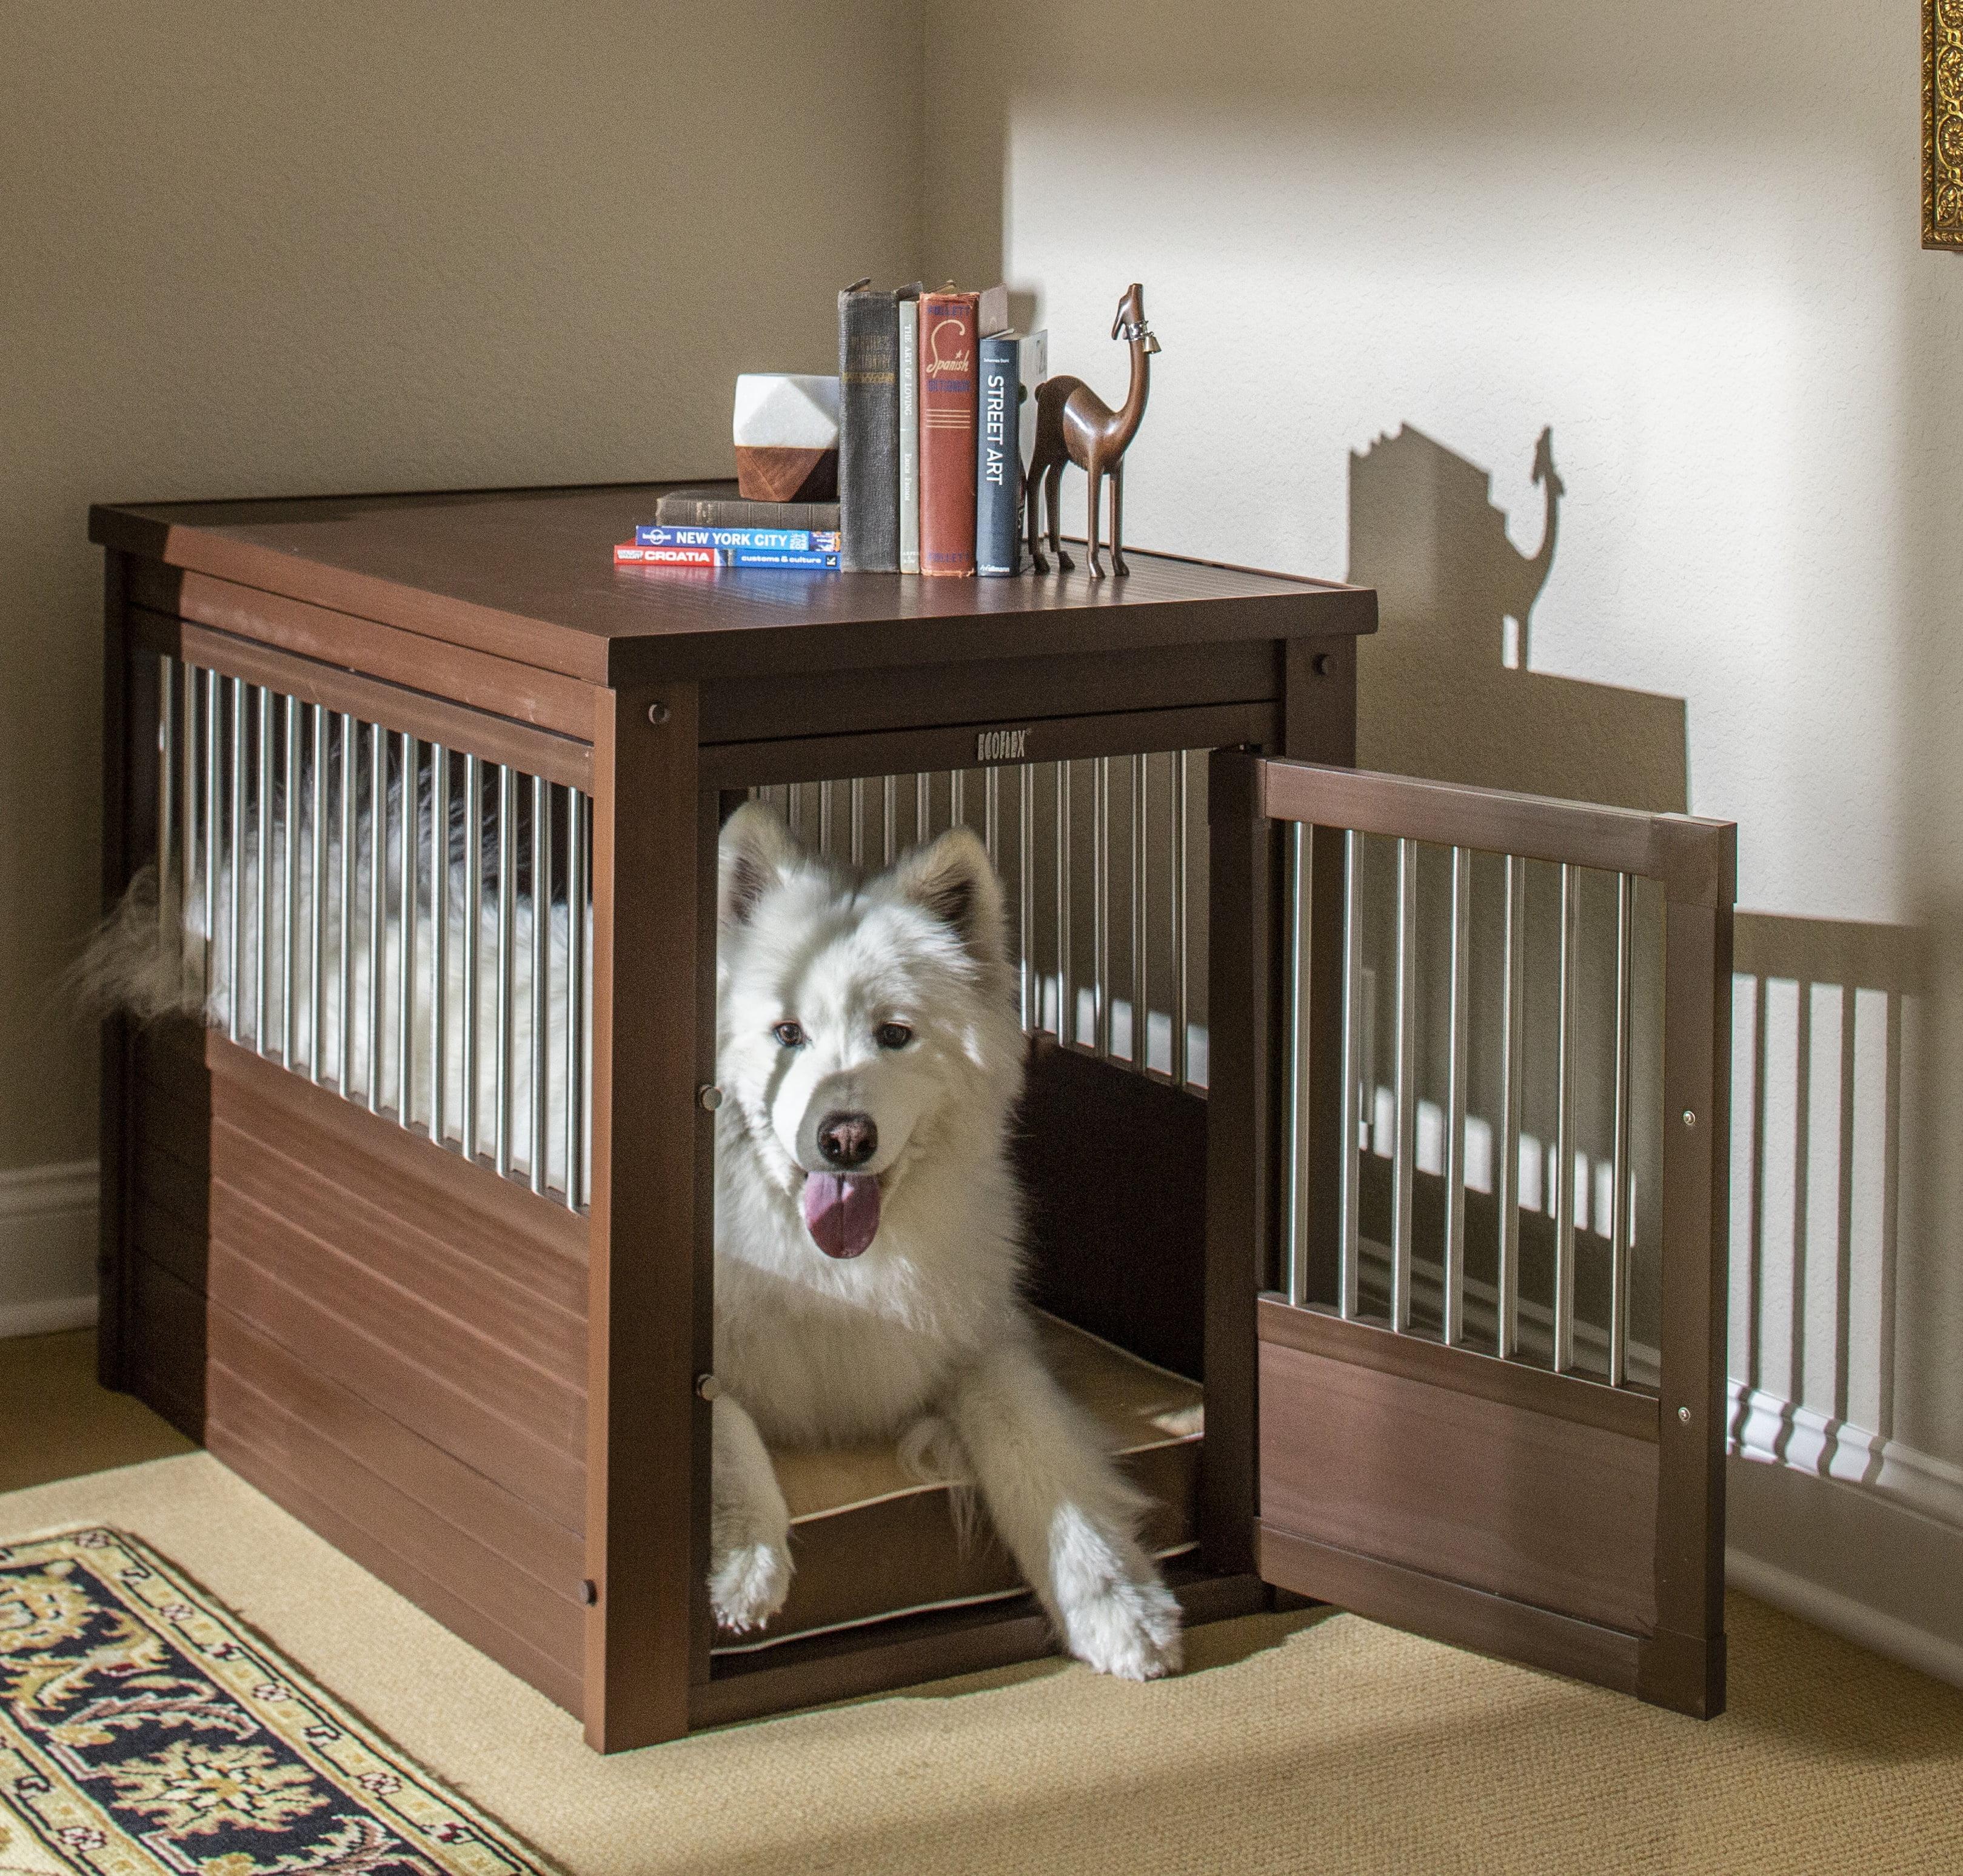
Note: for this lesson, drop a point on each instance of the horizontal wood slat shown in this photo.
(523, 692)
(1543, 1510)
(549, 1617)
(761, 706)
(345, 1527)
(1696, 860)
(167, 1343)
(450, 1351)
(909, 752)
(537, 751)
(502, 1223)
(539, 1470)
(1563, 1396)
(1450, 1611)
(400, 1267)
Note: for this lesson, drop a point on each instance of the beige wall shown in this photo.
(1385, 247)
(265, 250)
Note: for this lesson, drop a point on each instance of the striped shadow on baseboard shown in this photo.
(47, 1248)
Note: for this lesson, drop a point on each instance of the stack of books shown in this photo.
(740, 542)
(937, 418)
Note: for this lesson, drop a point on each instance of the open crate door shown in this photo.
(1483, 1041)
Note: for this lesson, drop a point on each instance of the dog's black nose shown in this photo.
(848, 1140)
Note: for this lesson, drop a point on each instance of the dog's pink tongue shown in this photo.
(842, 1210)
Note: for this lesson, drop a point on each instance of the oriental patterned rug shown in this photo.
(144, 1729)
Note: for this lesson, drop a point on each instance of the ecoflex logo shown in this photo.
(1002, 746)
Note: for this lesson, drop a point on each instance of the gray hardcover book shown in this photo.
(1032, 368)
(909, 310)
(869, 428)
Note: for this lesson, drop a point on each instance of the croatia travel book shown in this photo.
(634, 553)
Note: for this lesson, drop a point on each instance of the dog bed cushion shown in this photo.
(870, 1541)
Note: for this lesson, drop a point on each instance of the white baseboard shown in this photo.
(1934, 1655)
(47, 1248)
(1861, 1534)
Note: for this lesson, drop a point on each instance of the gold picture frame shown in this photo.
(1943, 124)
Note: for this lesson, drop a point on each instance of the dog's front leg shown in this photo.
(1066, 1514)
(749, 1524)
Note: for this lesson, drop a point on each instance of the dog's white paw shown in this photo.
(748, 1583)
(1128, 1627)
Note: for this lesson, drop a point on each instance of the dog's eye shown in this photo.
(892, 1035)
(790, 1035)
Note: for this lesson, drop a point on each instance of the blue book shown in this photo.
(776, 539)
(764, 556)
(998, 481)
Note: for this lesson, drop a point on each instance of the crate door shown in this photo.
(1489, 1206)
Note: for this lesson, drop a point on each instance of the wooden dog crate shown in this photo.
(432, 1266)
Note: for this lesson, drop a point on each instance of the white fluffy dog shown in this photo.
(867, 1232)
(868, 1243)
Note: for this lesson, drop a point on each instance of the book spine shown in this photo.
(869, 431)
(909, 370)
(778, 540)
(948, 390)
(689, 510)
(634, 553)
(997, 483)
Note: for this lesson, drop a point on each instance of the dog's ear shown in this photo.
(756, 851)
(954, 879)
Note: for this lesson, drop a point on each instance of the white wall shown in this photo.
(1385, 247)
(257, 250)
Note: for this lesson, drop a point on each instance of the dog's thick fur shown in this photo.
(922, 1338)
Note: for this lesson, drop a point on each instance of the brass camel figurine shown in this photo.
(1074, 424)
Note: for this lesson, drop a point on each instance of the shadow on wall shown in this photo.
(1443, 688)
(1827, 1020)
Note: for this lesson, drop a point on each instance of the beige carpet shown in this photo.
(1298, 1743)
(56, 1423)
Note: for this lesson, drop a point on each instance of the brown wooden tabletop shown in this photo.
(528, 573)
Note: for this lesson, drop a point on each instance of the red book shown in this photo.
(949, 347)
(629, 553)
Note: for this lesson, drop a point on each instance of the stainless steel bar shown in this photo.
(825, 790)
(438, 942)
(1295, 1163)
(168, 925)
(317, 905)
(1621, 1170)
(507, 939)
(262, 848)
(1564, 1121)
(213, 823)
(1459, 1048)
(290, 1003)
(858, 809)
(1026, 892)
(923, 806)
(1141, 1021)
(1404, 1079)
(539, 1003)
(350, 757)
(957, 797)
(469, 1017)
(574, 1040)
(794, 808)
(1512, 1074)
(235, 852)
(889, 815)
(1066, 962)
(992, 815)
(408, 820)
(378, 903)
(188, 847)
(1180, 1063)
(1349, 1179)
(1100, 906)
